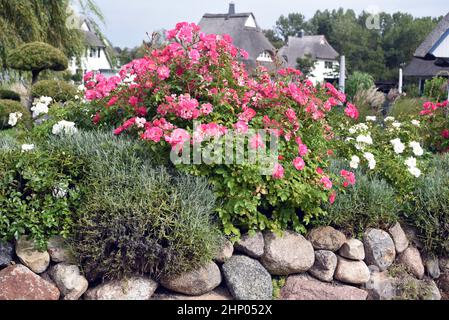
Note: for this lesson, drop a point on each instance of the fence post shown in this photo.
(342, 80)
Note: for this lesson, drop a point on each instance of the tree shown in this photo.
(306, 65)
(291, 25)
(275, 40)
(37, 57)
(43, 21)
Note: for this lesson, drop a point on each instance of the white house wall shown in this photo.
(442, 50)
(91, 63)
(320, 72)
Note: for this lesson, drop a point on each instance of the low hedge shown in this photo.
(135, 217)
(60, 91)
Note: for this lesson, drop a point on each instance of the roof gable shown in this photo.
(431, 42)
(243, 29)
(316, 46)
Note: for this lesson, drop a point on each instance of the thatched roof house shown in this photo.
(432, 56)
(245, 32)
(318, 49)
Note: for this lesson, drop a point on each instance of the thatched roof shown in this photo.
(426, 68)
(424, 50)
(315, 46)
(248, 38)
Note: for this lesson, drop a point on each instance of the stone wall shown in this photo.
(325, 265)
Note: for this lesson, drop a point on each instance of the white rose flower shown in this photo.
(410, 162)
(417, 149)
(396, 124)
(371, 161)
(416, 123)
(27, 147)
(398, 146)
(415, 171)
(355, 161)
(64, 128)
(365, 139)
(14, 118)
(140, 122)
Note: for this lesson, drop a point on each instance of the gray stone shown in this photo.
(252, 246)
(303, 287)
(352, 272)
(225, 252)
(37, 261)
(247, 279)
(59, 251)
(380, 286)
(412, 234)
(399, 237)
(411, 259)
(326, 238)
(6, 253)
(409, 288)
(379, 248)
(324, 266)
(219, 294)
(196, 282)
(432, 267)
(68, 279)
(287, 254)
(353, 249)
(134, 288)
(17, 282)
(444, 265)
(443, 282)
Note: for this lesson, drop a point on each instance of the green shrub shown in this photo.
(58, 90)
(429, 212)
(371, 203)
(405, 108)
(9, 95)
(358, 81)
(10, 106)
(136, 218)
(436, 89)
(37, 57)
(32, 188)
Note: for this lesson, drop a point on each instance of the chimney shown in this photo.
(302, 33)
(231, 8)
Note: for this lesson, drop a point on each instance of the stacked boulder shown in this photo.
(324, 265)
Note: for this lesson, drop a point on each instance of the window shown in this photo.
(99, 53)
(328, 64)
(93, 52)
(265, 57)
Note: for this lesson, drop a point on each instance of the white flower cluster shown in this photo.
(14, 118)
(358, 128)
(412, 168)
(40, 106)
(64, 128)
(363, 140)
(371, 119)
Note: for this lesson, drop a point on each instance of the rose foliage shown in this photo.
(199, 78)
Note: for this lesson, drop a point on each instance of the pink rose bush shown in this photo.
(195, 91)
(435, 116)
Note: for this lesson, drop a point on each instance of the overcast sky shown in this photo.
(128, 21)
